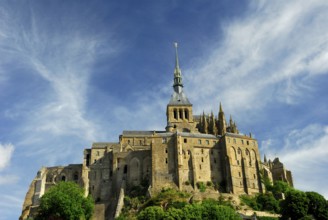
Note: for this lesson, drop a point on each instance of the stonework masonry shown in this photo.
(192, 149)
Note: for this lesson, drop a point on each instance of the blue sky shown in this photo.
(77, 72)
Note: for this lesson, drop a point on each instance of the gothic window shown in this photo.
(175, 114)
(165, 150)
(199, 141)
(242, 141)
(247, 142)
(202, 159)
(185, 140)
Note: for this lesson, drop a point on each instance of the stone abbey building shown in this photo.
(192, 149)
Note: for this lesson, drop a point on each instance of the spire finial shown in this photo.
(177, 68)
(177, 72)
(221, 107)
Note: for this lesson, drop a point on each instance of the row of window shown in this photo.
(180, 114)
(247, 142)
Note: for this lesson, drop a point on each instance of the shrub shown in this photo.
(201, 186)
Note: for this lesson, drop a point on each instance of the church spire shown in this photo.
(177, 85)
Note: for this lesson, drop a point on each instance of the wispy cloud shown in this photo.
(270, 54)
(59, 57)
(6, 151)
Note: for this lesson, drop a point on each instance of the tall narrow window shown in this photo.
(186, 114)
(180, 114)
(175, 114)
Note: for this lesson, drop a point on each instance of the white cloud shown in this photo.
(305, 153)
(268, 55)
(6, 151)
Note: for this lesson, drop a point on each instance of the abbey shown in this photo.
(192, 150)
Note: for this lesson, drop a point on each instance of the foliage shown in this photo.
(318, 206)
(151, 213)
(267, 182)
(168, 198)
(295, 205)
(201, 186)
(207, 210)
(65, 201)
(280, 187)
(250, 201)
(267, 202)
(210, 210)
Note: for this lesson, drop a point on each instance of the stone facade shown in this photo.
(192, 149)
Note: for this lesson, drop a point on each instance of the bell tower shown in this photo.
(179, 110)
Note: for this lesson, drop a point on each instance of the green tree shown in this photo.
(151, 213)
(173, 214)
(318, 207)
(192, 212)
(280, 187)
(267, 202)
(295, 205)
(65, 201)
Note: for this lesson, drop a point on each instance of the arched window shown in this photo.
(175, 114)
(63, 178)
